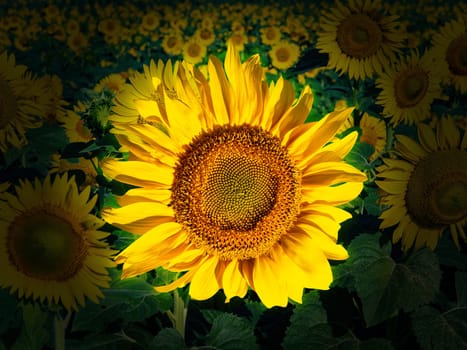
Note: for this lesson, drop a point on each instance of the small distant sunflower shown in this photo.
(50, 245)
(373, 132)
(426, 188)
(77, 42)
(114, 82)
(359, 38)
(205, 36)
(172, 43)
(238, 39)
(74, 126)
(20, 107)
(150, 21)
(270, 35)
(284, 54)
(408, 89)
(450, 51)
(234, 195)
(194, 51)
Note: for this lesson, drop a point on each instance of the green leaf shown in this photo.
(306, 315)
(461, 288)
(440, 331)
(34, 334)
(256, 309)
(449, 255)
(230, 332)
(385, 287)
(371, 202)
(132, 299)
(11, 315)
(363, 251)
(168, 339)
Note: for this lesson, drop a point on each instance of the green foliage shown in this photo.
(168, 339)
(34, 333)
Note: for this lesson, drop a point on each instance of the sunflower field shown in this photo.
(233, 175)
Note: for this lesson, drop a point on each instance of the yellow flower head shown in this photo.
(238, 192)
(359, 38)
(426, 188)
(50, 245)
(284, 54)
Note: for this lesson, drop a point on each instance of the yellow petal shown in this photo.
(328, 173)
(204, 283)
(220, 91)
(270, 289)
(332, 195)
(136, 211)
(233, 282)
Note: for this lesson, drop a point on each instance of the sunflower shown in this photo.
(194, 51)
(234, 194)
(359, 38)
(409, 88)
(426, 190)
(270, 35)
(113, 82)
(373, 132)
(86, 166)
(449, 51)
(21, 104)
(74, 126)
(50, 245)
(284, 54)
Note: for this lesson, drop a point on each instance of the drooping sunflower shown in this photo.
(449, 52)
(22, 105)
(51, 248)
(239, 192)
(359, 38)
(426, 189)
(409, 88)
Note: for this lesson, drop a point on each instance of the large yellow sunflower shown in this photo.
(449, 51)
(359, 38)
(408, 89)
(21, 105)
(426, 189)
(239, 192)
(50, 245)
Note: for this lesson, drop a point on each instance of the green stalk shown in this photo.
(180, 312)
(60, 325)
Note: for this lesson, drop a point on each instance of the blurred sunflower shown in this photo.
(284, 54)
(22, 102)
(373, 132)
(234, 194)
(194, 51)
(113, 82)
(205, 36)
(74, 126)
(449, 51)
(359, 38)
(50, 246)
(409, 88)
(172, 43)
(86, 166)
(427, 188)
(270, 35)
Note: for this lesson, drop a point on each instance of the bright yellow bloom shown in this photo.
(284, 54)
(234, 194)
(426, 188)
(50, 245)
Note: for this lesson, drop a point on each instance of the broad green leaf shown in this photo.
(440, 331)
(385, 287)
(168, 339)
(131, 299)
(363, 251)
(256, 309)
(306, 315)
(34, 333)
(230, 332)
(449, 255)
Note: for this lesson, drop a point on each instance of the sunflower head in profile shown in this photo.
(450, 53)
(238, 192)
(426, 188)
(408, 88)
(50, 245)
(359, 38)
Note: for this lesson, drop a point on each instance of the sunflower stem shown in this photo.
(59, 328)
(180, 312)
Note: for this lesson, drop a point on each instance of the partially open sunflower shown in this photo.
(239, 192)
(426, 189)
